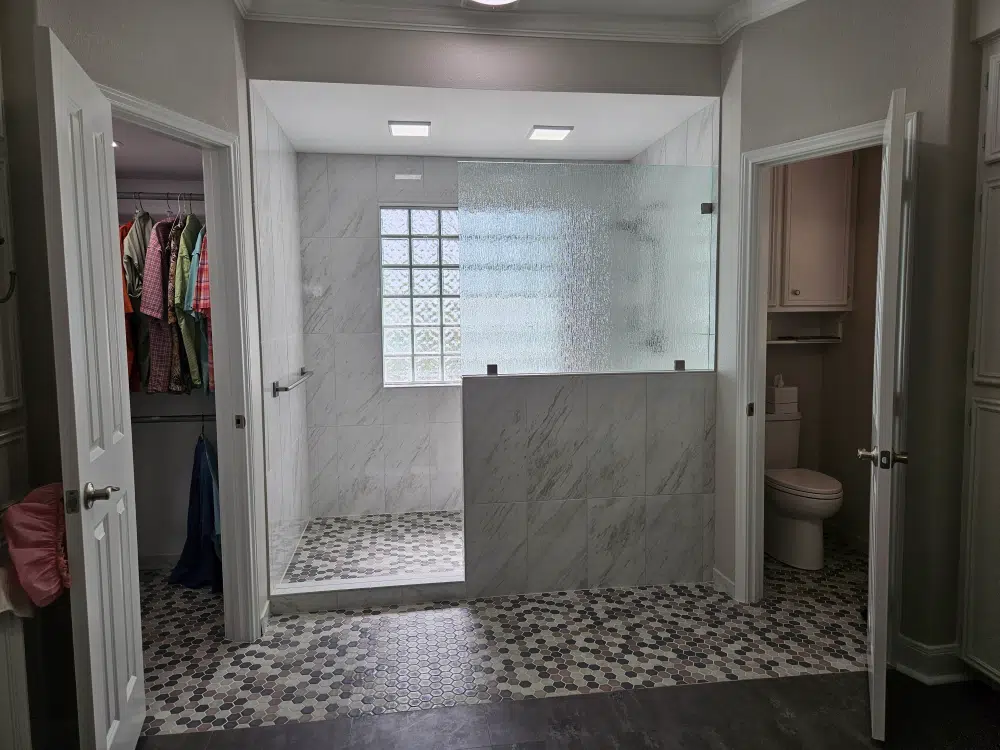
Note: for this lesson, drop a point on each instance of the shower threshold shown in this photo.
(343, 562)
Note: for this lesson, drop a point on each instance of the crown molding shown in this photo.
(464, 21)
(545, 25)
(746, 12)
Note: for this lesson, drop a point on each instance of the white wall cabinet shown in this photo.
(812, 228)
(980, 632)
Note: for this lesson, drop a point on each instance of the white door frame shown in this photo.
(236, 349)
(752, 358)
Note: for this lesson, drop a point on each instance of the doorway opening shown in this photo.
(818, 222)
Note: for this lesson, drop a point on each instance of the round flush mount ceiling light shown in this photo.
(489, 4)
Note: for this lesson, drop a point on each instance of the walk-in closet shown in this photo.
(164, 244)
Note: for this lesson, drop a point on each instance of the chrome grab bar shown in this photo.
(304, 375)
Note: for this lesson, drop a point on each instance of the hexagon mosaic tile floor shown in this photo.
(313, 667)
(418, 543)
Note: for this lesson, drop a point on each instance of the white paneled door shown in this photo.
(888, 388)
(94, 421)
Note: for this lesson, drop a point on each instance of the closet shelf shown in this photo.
(807, 340)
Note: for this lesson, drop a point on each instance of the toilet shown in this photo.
(796, 501)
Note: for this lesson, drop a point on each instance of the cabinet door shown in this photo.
(991, 138)
(771, 226)
(818, 233)
(981, 642)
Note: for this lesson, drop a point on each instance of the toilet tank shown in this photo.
(781, 441)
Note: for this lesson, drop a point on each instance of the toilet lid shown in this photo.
(803, 481)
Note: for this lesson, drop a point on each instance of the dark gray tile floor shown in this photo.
(815, 712)
(419, 543)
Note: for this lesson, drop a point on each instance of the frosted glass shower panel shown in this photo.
(586, 267)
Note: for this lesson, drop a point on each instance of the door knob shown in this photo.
(92, 494)
(900, 458)
(868, 455)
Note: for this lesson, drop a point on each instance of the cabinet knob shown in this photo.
(796, 292)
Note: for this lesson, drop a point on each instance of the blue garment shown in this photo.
(201, 563)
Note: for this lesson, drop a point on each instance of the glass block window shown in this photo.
(421, 307)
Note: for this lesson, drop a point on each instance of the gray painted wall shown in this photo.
(587, 481)
(298, 52)
(801, 78)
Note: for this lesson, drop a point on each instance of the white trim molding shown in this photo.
(605, 27)
(237, 355)
(752, 344)
(723, 583)
(929, 664)
(746, 12)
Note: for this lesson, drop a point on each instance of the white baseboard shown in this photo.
(723, 584)
(265, 616)
(932, 665)
(157, 562)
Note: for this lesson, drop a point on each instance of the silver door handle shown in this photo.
(868, 455)
(92, 494)
(900, 458)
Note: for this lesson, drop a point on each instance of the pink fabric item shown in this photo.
(36, 538)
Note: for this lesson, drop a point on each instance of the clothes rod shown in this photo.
(174, 418)
(124, 195)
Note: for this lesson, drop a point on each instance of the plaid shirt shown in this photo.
(201, 303)
(154, 305)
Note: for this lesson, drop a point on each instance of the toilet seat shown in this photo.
(803, 483)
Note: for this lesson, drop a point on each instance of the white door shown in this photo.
(94, 422)
(888, 386)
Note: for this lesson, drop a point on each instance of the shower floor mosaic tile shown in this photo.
(379, 546)
(313, 667)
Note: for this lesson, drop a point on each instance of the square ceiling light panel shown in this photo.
(550, 132)
(410, 129)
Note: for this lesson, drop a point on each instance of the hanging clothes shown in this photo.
(188, 326)
(136, 242)
(133, 371)
(201, 307)
(177, 382)
(200, 564)
(154, 305)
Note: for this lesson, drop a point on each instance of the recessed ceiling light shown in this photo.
(115, 144)
(550, 132)
(409, 176)
(414, 129)
(488, 3)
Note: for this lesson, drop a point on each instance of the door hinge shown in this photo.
(972, 359)
(983, 144)
(979, 203)
(970, 417)
(750, 409)
(72, 501)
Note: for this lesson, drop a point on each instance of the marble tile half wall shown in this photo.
(583, 481)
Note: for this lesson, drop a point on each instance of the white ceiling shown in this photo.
(693, 21)
(145, 153)
(353, 119)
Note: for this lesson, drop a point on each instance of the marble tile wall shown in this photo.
(371, 449)
(276, 226)
(577, 481)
